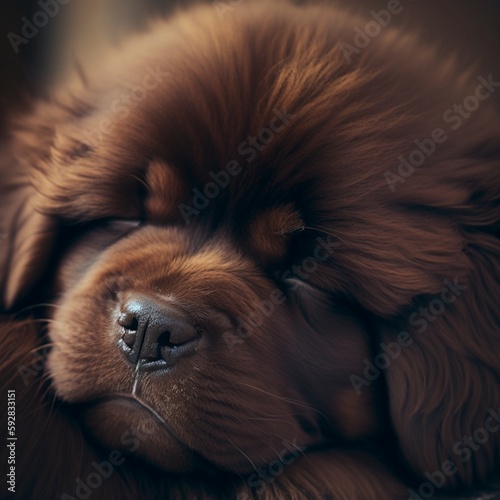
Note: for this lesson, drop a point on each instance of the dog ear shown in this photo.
(27, 241)
(443, 380)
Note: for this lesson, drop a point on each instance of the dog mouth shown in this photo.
(129, 426)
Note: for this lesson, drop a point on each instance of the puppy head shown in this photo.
(189, 343)
(219, 327)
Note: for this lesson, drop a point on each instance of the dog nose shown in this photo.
(154, 332)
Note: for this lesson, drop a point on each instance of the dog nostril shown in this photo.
(129, 338)
(166, 340)
(131, 324)
(129, 321)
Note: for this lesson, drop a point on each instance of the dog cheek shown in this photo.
(60, 375)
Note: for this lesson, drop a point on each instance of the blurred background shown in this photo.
(40, 40)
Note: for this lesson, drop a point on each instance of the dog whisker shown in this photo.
(242, 452)
(289, 400)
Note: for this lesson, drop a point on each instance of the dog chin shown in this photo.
(128, 426)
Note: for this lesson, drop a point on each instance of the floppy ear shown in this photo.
(443, 383)
(27, 240)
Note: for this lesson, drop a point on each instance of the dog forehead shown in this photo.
(171, 103)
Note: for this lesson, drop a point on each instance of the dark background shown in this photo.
(470, 28)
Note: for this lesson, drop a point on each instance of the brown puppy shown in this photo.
(273, 261)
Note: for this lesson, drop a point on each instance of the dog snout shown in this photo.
(153, 332)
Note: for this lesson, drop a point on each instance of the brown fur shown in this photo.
(233, 404)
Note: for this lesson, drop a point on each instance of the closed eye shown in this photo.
(124, 226)
(105, 231)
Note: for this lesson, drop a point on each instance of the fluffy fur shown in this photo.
(86, 159)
